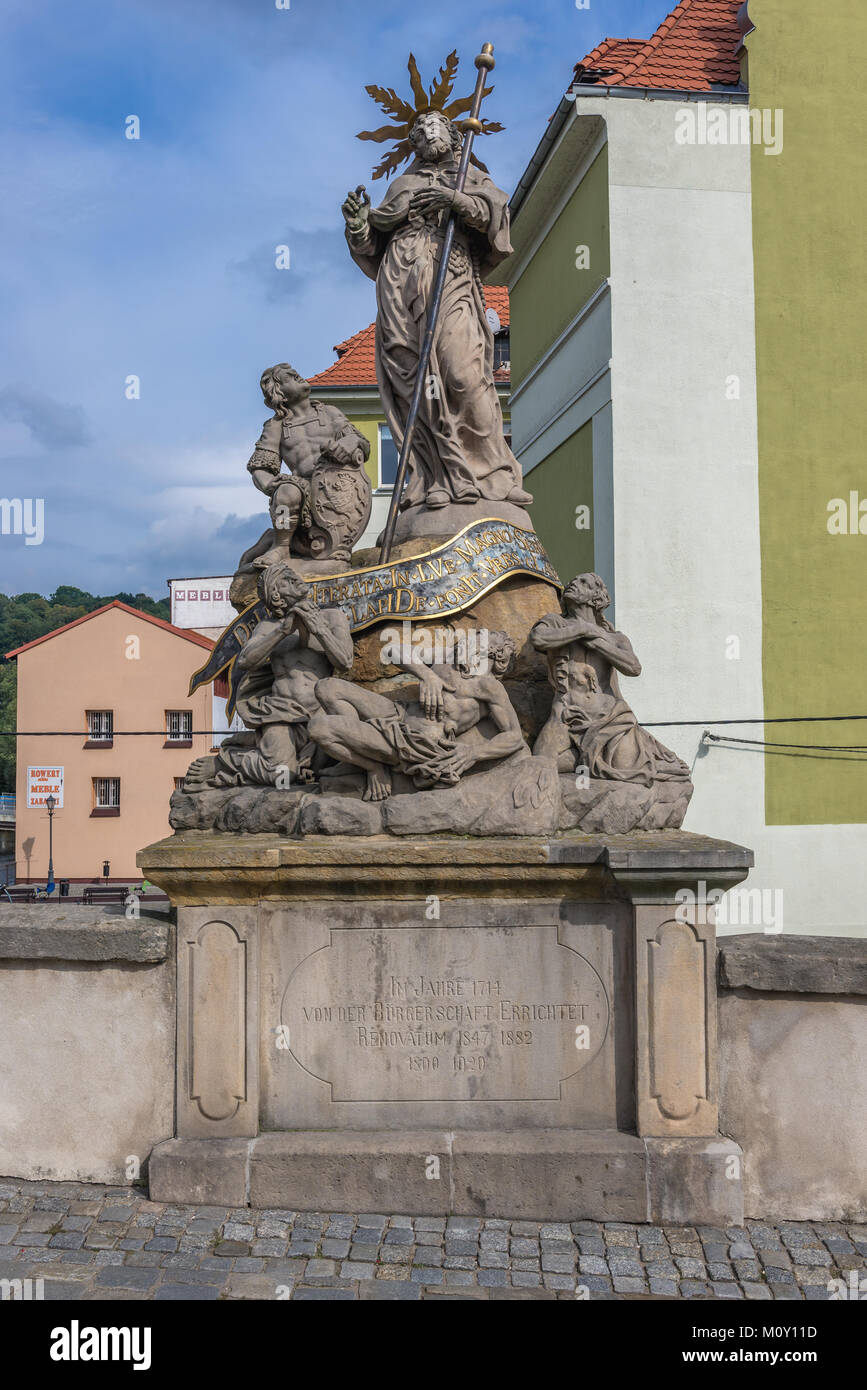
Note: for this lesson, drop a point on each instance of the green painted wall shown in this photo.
(368, 425)
(551, 290)
(370, 429)
(559, 483)
(808, 234)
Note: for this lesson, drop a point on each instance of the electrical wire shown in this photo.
(764, 743)
(656, 724)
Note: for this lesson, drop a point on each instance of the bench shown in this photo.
(105, 895)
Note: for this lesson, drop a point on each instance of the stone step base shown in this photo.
(532, 1175)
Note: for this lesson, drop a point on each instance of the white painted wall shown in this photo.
(379, 505)
(685, 483)
(676, 519)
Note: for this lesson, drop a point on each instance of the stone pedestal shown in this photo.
(517, 1026)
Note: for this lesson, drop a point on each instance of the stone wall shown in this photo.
(87, 1000)
(87, 1055)
(793, 1087)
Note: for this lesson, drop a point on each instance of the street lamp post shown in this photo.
(50, 804)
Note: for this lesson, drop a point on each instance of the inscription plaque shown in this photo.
(456, 1014)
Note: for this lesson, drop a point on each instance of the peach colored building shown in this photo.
(97, 681)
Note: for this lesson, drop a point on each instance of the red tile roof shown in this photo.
(356, 362)
(356, 356)
(136, 612)
(695, 49)
(610, 53)
(497, 298)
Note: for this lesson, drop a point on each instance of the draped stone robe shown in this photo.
(458, 443)
(599, 724)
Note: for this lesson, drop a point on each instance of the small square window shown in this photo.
(106, 796)
(100, 725)
(179, 727)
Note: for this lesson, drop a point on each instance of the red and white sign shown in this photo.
(43, 782)
(201, 602)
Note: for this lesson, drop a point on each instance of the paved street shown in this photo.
(92, 1242)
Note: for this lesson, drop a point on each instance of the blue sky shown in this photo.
(155, 257)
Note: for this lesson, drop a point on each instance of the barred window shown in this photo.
(179, 725)
(106, 792)
(100, 724)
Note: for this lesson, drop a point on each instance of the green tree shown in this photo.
(8, 693)
(66, 596)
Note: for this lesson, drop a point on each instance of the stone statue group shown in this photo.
(307, 723)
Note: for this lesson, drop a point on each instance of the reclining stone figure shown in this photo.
(435, 739)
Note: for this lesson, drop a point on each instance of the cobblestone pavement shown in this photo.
(87, 1241)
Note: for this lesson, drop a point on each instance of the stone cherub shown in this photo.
(590, 724)
(321, 506)
(290, 650)
(435, 739)
(459, 452)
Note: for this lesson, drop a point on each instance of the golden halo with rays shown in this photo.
(403, 113)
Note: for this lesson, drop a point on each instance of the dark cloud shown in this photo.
(242, 531)
(313, 257)
(52, 424)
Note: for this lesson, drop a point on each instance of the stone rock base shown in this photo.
(521, 796)
(532, 1175)
(616, 808)
(518, 797)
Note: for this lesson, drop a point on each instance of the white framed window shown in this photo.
(501, 349)
(179, 725)
(106, 793)
(387, 457)
(100, 725)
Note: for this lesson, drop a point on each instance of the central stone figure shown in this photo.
(435, 739)
(459, 452)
